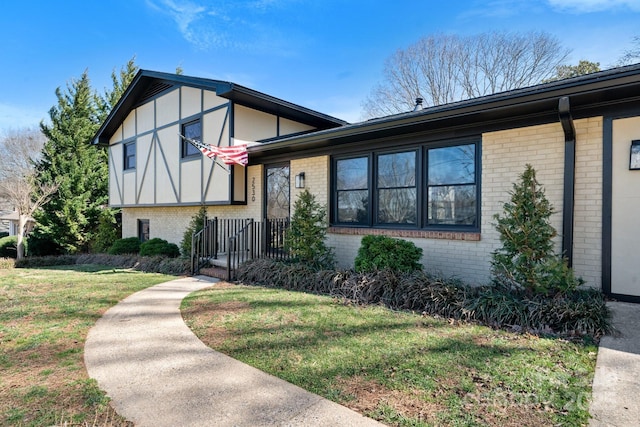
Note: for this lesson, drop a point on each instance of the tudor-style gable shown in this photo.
(151, 165)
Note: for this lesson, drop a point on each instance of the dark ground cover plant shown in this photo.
(580, 313)
(152, 264)
(157, 246)
(382, 252)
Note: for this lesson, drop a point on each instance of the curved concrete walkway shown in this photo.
(158, 373)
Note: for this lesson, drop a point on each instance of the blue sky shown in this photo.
(322, 54)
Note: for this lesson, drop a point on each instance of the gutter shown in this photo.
(564, 114)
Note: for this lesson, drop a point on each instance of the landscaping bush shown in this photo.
(156, 264)
(196, 224)
(527, 259)
(128, 245)
(157, 246)
(382, 252)
(305, 239)
(8, 246)
(43, 246)
(578, 312)
(3, 234)
(109, 230)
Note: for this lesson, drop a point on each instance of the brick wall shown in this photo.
(587, 225)
(504, 156)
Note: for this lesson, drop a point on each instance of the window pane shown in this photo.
(397, 206)
(193, 131)
(278, 192)
(452, 165)
(130, 155)
(452, 205)
(352, 174)
(397, 170)
(353, 206)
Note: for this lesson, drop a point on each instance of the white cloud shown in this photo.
(226, 25)
(589, 6)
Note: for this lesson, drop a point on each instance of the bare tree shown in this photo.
(447, 68)
(631, 56)
(19, 149)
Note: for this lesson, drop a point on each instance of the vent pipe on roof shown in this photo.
(418, 104)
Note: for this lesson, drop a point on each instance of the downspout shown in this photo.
(564, 113)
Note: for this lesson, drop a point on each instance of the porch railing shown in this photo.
(237, 241)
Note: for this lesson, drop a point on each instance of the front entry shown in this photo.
(625, 208)
(277, 198)
(277, 191)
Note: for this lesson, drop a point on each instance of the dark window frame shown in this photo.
(129, 155)
(187, 149)
(421, 188)
(142, 224)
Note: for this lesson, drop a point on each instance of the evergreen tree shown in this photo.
(69, 159)
(196, 224)
(69, 222)
(527, 259)
(120, 81)
(306, 236)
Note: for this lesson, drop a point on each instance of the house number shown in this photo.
(253, 189)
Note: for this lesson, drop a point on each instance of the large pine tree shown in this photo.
(68, 223)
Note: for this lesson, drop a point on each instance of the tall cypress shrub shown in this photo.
(527, 259)
(306, 236)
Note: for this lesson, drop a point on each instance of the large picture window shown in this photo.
(424, 187)
(191, 130)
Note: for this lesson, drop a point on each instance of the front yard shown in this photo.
(45, 315)
(400, 368)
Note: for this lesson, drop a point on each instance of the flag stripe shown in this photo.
(235, 154)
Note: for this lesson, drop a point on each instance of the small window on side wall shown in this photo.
(143, 230)
(130, 155)
(191, 130)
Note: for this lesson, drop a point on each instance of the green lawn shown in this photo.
(45, 315)
(400, 368)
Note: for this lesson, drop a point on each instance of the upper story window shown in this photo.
(191, 130)
(424, 187)
(130, 155)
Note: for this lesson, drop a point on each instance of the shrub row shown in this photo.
(149, 264)
(581, 312)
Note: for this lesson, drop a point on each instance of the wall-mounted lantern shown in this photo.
(634, 159)
(300, 180)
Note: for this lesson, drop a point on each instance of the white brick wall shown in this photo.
(587, 225)
(504, 156)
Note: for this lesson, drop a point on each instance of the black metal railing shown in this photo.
(238, 240)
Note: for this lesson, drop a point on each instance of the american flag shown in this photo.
(235, 154)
